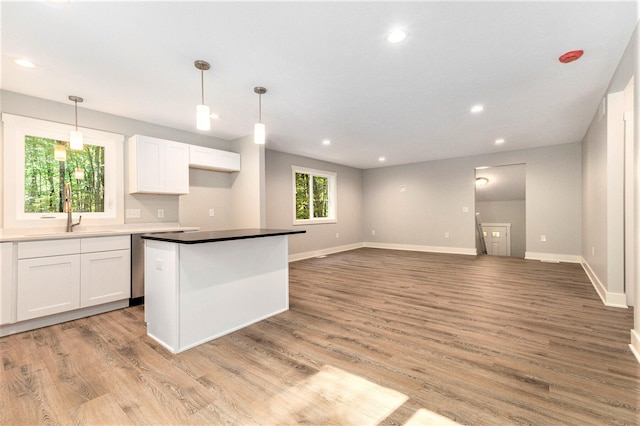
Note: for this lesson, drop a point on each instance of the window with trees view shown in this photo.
(45, 176)
(314, 196)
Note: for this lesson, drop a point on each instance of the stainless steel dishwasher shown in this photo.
(137, 270)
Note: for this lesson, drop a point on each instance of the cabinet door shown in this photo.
(106, 277)
(47, 286)
(176, 168)
(149, 164)
(201, 157)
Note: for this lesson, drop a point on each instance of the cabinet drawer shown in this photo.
(117, 242)
(29, 249)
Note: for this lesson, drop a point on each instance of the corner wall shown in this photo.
(437, 192)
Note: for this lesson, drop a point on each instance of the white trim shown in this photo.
(635, 344)
(552, 257)
(323, 252)
(431, 249)
(614, 300)
(333, 195)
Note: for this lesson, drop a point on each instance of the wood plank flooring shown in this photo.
(372, 337)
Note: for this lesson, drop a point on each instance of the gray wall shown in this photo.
(512, 212)
(279, 202)
(437, 191)
(210, 189)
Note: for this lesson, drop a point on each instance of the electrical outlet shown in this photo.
(373, 232)
(159, 265)
(543, 238)
(403, 188)
(133, 213)
(337, 235)
(160, 213)
(446, 235)
(212, 212)
(465, 210)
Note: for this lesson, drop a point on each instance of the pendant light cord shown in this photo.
(260, 107)
(76, 102)
(202, 81)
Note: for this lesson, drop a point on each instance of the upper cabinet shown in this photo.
(158, 166)
(201, 157)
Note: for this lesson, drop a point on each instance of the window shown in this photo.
(34, 180)
(45, 176)
(315, 196)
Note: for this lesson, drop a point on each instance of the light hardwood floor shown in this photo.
(372, 336)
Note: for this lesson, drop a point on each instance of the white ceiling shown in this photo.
(329, 71)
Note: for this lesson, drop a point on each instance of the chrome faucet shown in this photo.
(67, 208)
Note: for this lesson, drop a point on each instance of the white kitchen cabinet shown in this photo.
(6, 283)
(201, 157)
(56, 276)
(105, 270)
(105, 277)
(157, 166)
(48, 285)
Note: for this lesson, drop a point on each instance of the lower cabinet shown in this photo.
(56, 276)
(48, 285)
(105, 277)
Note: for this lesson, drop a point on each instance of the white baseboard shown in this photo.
(323, 252)
(552, 257)
(431, 249)
(615, 300)
(408, 247)
(635, 344)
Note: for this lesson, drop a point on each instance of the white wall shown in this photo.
(437, 191)
(512, 212)
(218, 191)
(603, 231)
(319, 238)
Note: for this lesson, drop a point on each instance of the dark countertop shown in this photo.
(217, 236)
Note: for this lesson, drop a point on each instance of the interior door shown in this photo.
(496, 238)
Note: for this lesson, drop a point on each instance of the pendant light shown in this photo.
(76, 140)
(78, 173)
(259, 131)
(60, 152)
(203, 113)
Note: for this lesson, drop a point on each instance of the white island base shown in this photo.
(195, 293)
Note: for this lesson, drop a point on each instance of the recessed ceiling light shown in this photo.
(24, 63)
(482, 181)
(477, 108)
(381, 159)
(326, 142)
(499, 141)
(396, 36)
(215, 115)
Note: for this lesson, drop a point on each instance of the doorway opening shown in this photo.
(501, 210)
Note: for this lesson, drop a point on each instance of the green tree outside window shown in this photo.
(45, 177)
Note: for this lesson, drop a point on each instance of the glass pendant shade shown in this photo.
(76, 140)
(259, 133)
(60, 152)
(79, 173)
(203, 117)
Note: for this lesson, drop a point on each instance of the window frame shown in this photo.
(332, 193)
(15, 129)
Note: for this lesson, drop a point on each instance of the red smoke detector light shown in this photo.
(574, 55)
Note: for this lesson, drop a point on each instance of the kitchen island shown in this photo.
(203, 285)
